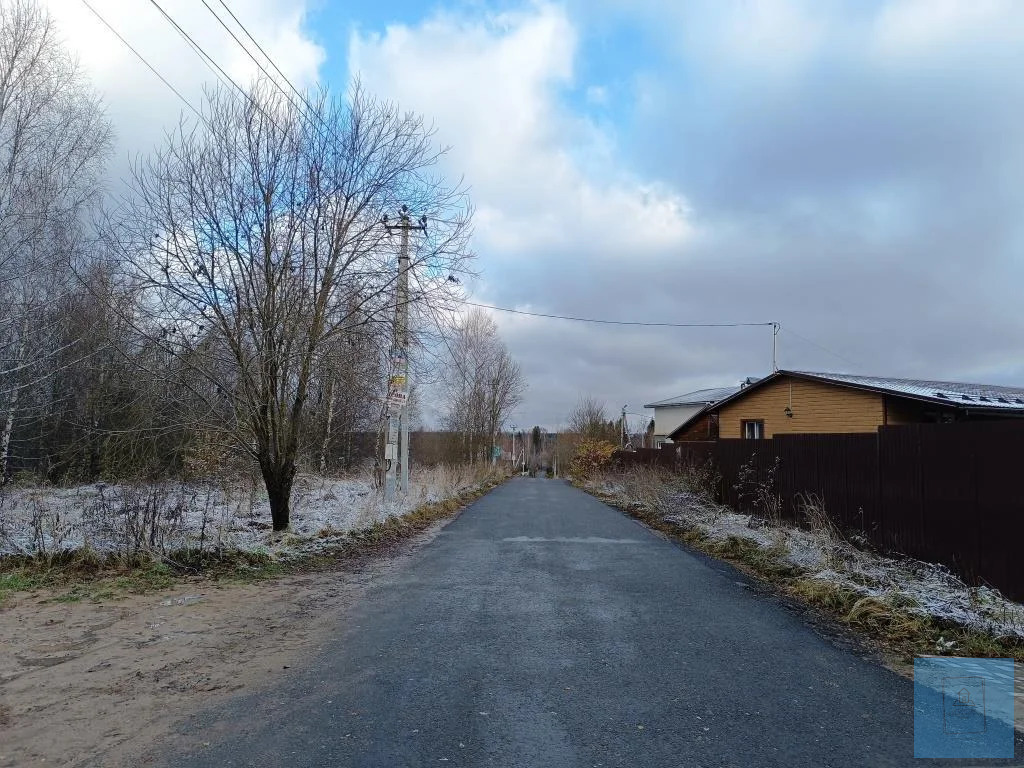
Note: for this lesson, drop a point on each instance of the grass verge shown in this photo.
(898, 633)
(86, 575)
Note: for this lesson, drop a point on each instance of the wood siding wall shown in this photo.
(701, 429)
(816, 408)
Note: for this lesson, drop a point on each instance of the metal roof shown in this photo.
(700, 397)
(951, 393)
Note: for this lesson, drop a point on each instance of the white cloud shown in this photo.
(909, 28)
(775, 33)
(542, 178)
(139, 105)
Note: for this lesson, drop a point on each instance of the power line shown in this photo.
(308, 110)
(641, 323)
(440, 330)
(226, 79)
(616, 322)
(208, 60)
(240, 45)
(261, 50)
(822, 348)
(305, 107)
(216, 68)
(142, 59)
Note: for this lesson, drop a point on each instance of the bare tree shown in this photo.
(589, 420)
(53, 140)
(485, 387)
(254, 247)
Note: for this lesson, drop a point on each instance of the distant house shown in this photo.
(673, 411)
(802, 402)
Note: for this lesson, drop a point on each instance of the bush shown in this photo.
(591, 456)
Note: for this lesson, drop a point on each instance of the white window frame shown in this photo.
(758, 429)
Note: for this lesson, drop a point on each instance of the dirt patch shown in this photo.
(88, 683)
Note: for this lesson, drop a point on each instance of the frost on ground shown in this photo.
(174, 516)
(820, 552)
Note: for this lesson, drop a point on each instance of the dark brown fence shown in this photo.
(947, 493)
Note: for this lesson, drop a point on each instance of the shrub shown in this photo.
(591, 456)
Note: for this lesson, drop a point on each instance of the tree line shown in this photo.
(235, 305)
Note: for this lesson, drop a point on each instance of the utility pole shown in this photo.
(396, 452)
(513, 447)
(622, 437)
(775, 346)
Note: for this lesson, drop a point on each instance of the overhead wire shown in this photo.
(654, 324)
(614, 322)
(821, 347)
(142, 58)
(206, 58)
(226, 79)
(260, 48)
(241, 45)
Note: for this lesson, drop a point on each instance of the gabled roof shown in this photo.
(976, 397)
(945, 392)
(700, 397)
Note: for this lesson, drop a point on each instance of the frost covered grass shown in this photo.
(143, 536)
(913, 606)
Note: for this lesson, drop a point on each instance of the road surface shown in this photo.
(543, 628)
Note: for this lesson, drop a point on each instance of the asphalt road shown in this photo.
(543, 628)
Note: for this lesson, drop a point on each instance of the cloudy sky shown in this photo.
(853, 170)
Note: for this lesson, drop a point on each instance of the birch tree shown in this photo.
(53, 140)
(485, 386)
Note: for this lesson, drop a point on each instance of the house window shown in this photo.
(753, 430)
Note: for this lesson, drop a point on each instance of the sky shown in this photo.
(851, 170)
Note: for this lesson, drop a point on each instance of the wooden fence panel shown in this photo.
(901, 498)
(999, 505)
(947, 493)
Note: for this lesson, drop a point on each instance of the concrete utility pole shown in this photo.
(396, 452)
(513, 445)
(623, 437)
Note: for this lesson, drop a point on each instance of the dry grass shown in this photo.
(880, 619)
(769, 563)
(88, 576)
(826, 595)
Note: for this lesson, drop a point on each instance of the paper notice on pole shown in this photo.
(397, 399)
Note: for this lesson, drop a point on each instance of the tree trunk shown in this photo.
(325, 446)
(12, 406)
(278, 477)
(5, 436)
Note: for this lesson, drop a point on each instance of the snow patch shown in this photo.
(169, 516)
